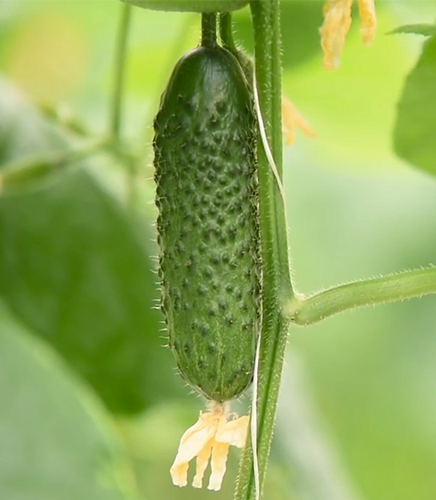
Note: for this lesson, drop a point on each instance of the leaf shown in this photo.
(27, 173)
(415, 29)
(300, 21)
(23, 132)
(416, 117)
(76, 270)
(56, 439)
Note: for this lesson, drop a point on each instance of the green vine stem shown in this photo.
(20, 173)
(401, 286)
(119, 73)
(226, 32)
(208, 30)
(115, 125)
(276, 276)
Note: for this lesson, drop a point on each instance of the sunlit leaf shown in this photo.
(416, 119)
(416, 29)
(300, 21)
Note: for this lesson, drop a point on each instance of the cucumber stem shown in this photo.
(226, 32)
(208, 30)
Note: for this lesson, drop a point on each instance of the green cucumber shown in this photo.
(190, 5)
(207, 196)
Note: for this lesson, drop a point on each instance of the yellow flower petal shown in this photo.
(209, 439)
(368, 20)
(337, 22)
(179, 474)
(202, 463)
(293, 119)
(233, 432)
(218, 462)
(193, 441)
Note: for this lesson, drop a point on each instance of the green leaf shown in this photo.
(56, 440)
(23, 131)
(416, 29)
(74, 267)
(416, 118)
(300, 21)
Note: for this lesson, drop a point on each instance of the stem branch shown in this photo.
(396, 287)
(120, 64)
(18, 174)
(226, 32)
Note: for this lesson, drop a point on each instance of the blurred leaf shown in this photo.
(416, 29)
(300, 21)
(26, 173)
(372, 371)
(63, 115)
(23, 132)
(416, 118)
(313, 466)
(56, 442)
(75, 269)
(21, 174)
(72, 268)
(352, 109)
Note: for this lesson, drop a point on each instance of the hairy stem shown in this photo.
(276, 276)
(120, 64)
(226, 32)
(401, 286)
(208, 30)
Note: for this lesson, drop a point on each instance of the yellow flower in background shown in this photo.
(337, 22)
(293, 120)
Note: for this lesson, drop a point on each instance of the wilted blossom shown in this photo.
(208, 440)
(337, 22)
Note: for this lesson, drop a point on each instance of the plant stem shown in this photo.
(226, 32)
(276, 276)
(120, 64)
(208, 30)
(18, 174)
(131, 164)
(391, 288)
(276, 100)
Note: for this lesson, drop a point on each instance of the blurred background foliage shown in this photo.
(90, 405)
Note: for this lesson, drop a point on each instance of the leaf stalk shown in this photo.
(396, 287)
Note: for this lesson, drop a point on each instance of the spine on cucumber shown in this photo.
(207, 196)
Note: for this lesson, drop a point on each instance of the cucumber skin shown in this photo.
(190, 5)
(208, 230)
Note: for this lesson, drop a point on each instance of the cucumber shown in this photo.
(190, 5)
(208, 229)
